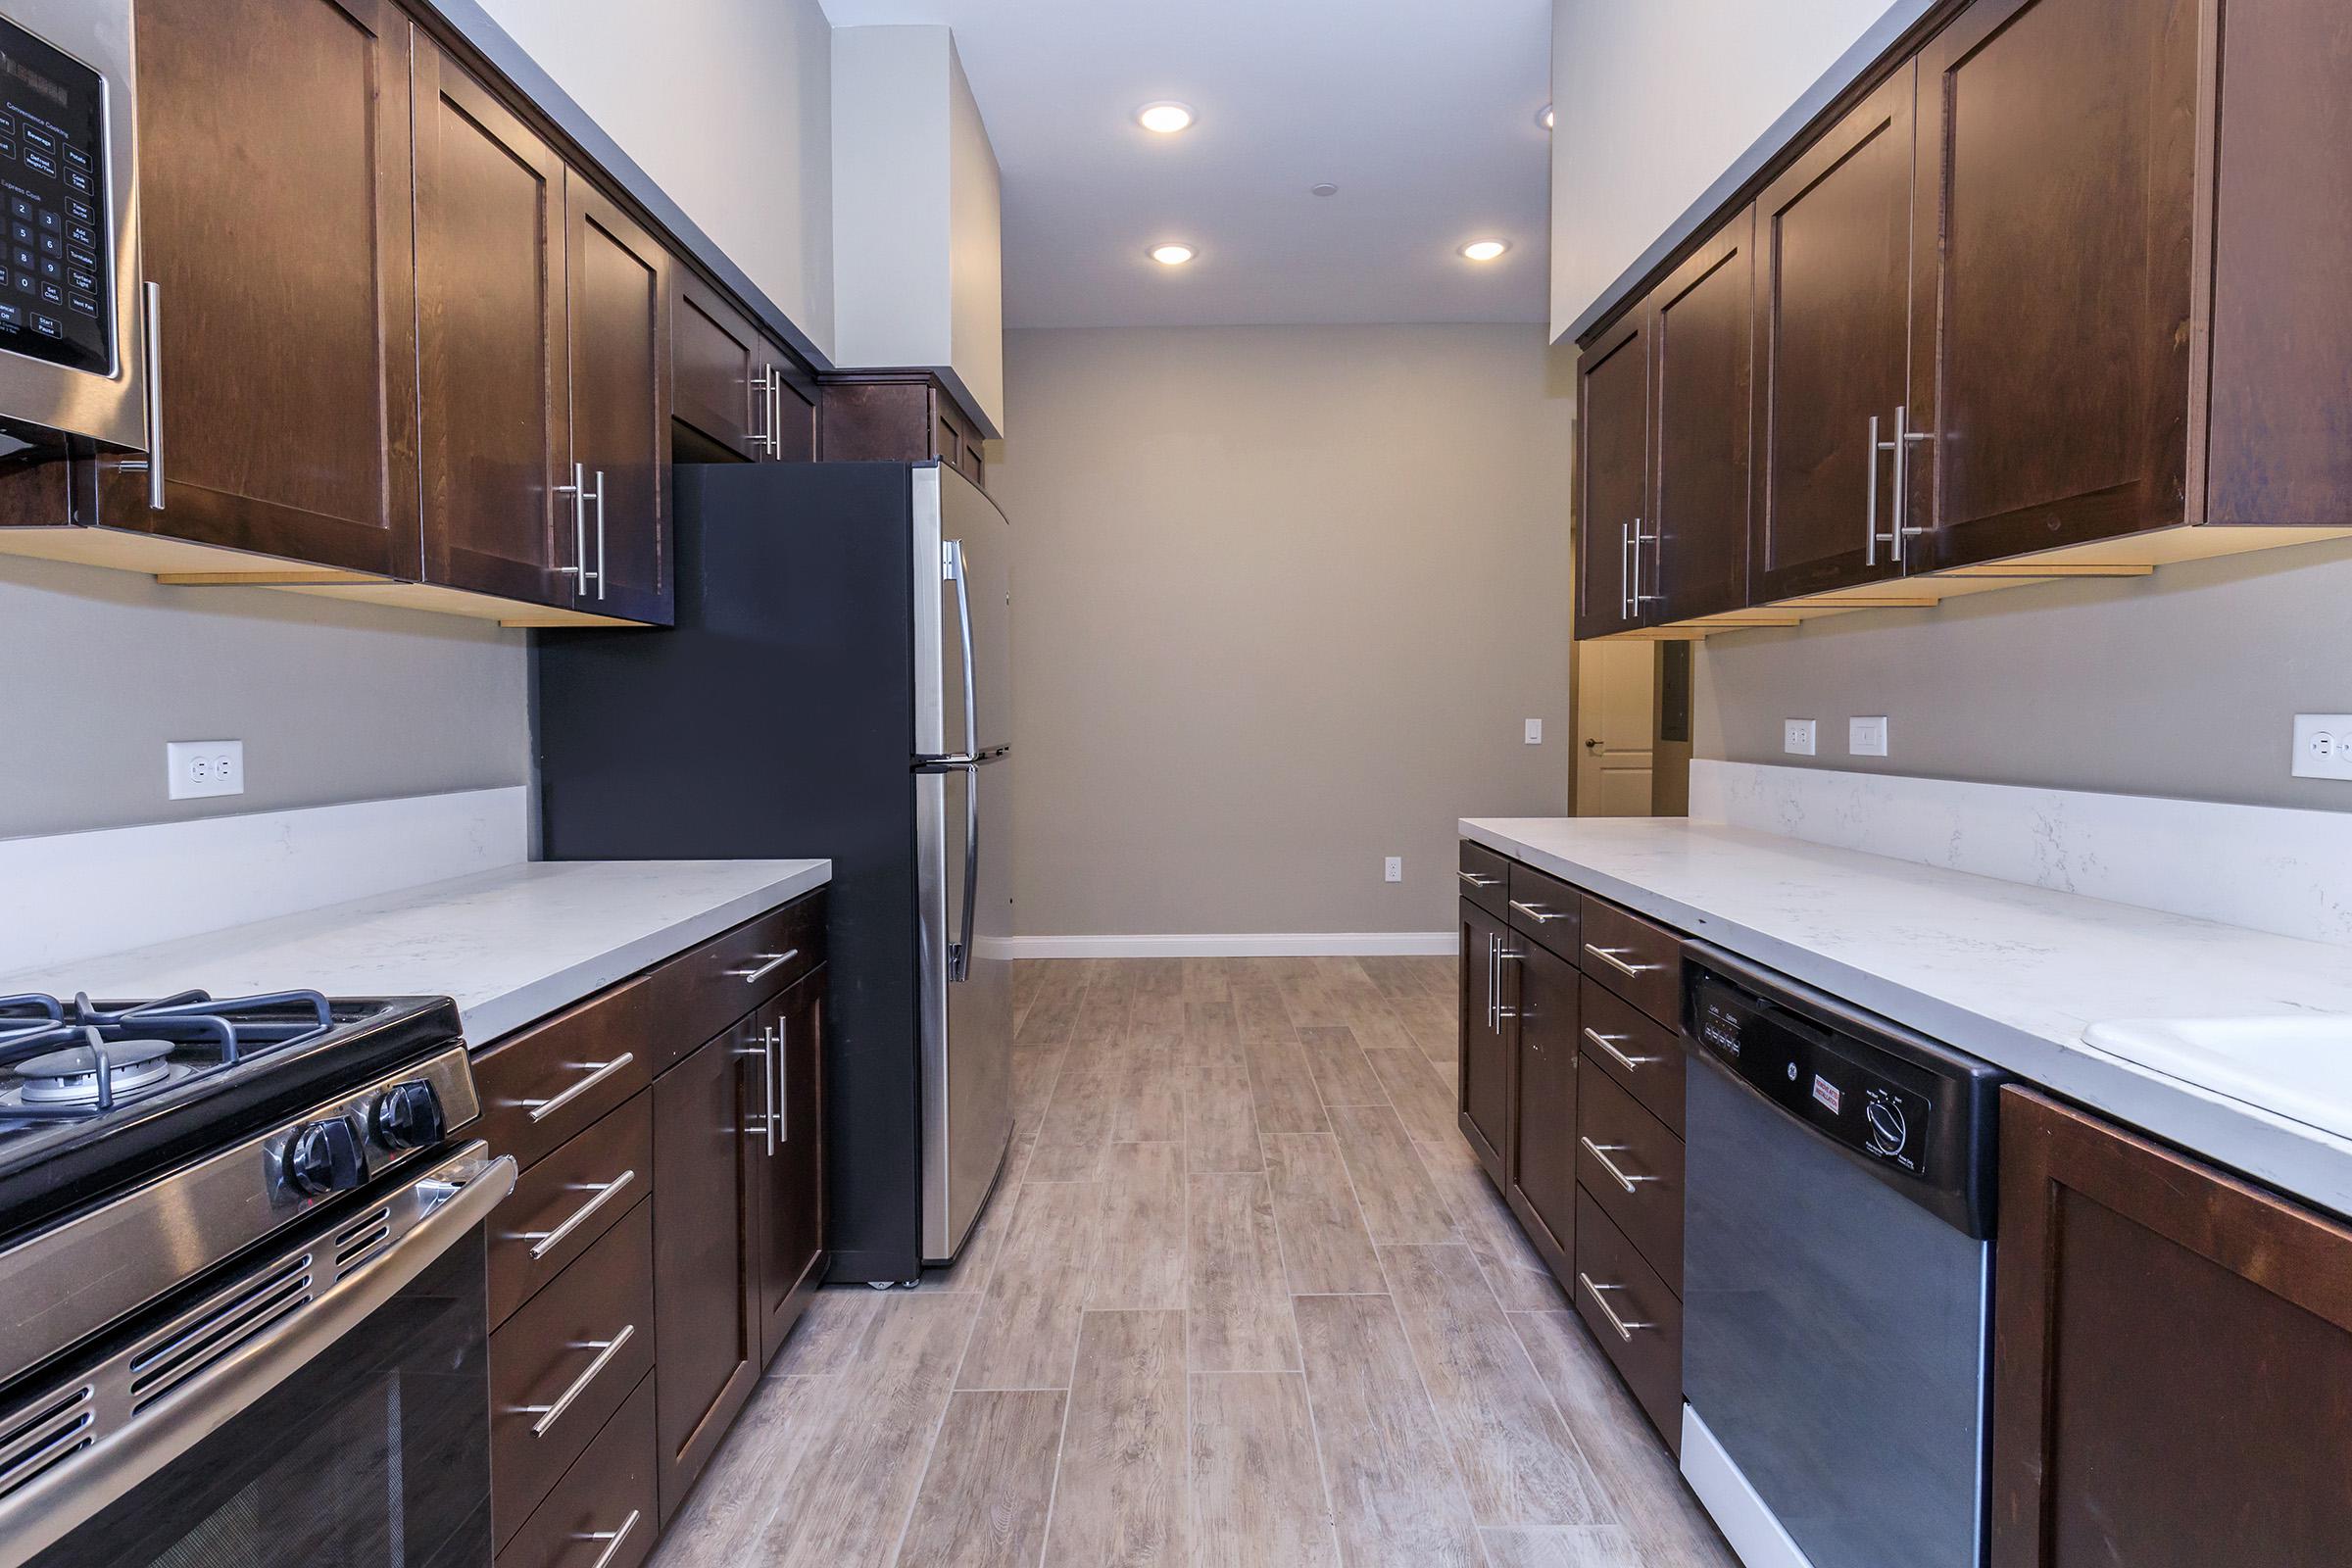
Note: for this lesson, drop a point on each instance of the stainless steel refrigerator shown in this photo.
(838, 684)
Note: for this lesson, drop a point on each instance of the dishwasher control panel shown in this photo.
(1800, 1067)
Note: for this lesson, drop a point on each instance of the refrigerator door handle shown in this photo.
(952, 568)
(959, 955)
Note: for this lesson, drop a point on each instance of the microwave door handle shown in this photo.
(960, 963)
(954, 565)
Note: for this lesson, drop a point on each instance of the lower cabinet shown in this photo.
(1543, 1150)
(665, 1234)
(2172, 1362)
(1486, 1050)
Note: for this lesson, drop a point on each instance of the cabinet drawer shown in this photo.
(1546, 909)
(561, 1365)
(1640, 962)
(699, 994)
(607, 1496)
(1632, 1166)
(545, 1086)
(562, 1205)
(1636, 1319)
(1486, 877)
(1636, 1050)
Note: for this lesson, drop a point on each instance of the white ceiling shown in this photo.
(1422, 111)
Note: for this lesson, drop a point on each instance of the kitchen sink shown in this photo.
(2297, 1065)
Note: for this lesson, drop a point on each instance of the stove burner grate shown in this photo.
(76, 1060)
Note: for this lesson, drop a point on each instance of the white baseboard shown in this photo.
(1235, 945)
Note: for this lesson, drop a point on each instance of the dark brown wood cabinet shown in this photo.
(1541, 1154)
(788, 1180)
(1484, 1105)
(897, 417)
(275, 228)
(2173, 1358)
(616, 279)
(1834, 241)
(2059, 159)
(1701, 331)
(1612, 474)
(718, 368)
(707, 1110)
(493, 344)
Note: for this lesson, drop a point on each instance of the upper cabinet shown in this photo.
(616, 278)
(276, 232)
(2026, 304)
(1612, 477)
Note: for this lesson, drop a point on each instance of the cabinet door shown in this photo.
(1486, 1095)
(490, 341)
(1612, 476)
(718, 368)
(619, 281)
(275, 161)
(795, 395)
(790, 1190)
(1833, 245)
(1544, 1106)
(1701, 343)
(2172, 1358)
(706, 1111)
(2058, 153)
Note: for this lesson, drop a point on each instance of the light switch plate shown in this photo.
(196, 769)
(1796, 737)
(1535, 732)
(1866, 737)
(2323, 746)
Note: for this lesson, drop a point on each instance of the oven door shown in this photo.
(327, 1407)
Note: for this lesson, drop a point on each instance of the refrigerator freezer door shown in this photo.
(967, 1021)
(963, 599)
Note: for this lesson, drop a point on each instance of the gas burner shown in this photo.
(96, 1072)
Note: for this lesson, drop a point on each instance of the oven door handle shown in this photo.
(457, 1196)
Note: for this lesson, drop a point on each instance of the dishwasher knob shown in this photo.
(409, 1117)
(324, 1157)
(1889, 1129)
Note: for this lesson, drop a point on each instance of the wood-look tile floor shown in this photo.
(1243, 1299)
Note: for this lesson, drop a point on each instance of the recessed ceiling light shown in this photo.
(1544, 116)
(1167, 116)
(1172, 255)
(1326, 189)
(1485, 250)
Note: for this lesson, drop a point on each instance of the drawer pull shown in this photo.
(1608, 1045)
(546, 1242)
(541, 1109)
(1538, 913)
(1602, 1151)
(1614, 957)
(606, 1350)
(775, 961)
(1625, 1331)
(1477, 881)
(613, 1539)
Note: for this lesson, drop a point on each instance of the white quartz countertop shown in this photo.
(511, 945)
(2008, 972)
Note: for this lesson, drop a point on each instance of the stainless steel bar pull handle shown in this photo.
(1625, 570)
(1477, 881)
(1602, 1151)
(769, 962)
(1624, 1330)
(613, 1539)
(597, 1072)
(600, 533)
(546, 1242)
(971, 870)
(1614, 957)
(1537, 912)
(1608, 1044)
(776, 411)
(762, 431)
(155, 397)
(774, 1040)
(606, 1350)
(1870, 510)
(1505, 953)
(1640, 539)
(1901, 444)
(954, 567)
(577, 571)
(1490, 968)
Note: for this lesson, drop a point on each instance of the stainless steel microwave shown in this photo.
(73, 312)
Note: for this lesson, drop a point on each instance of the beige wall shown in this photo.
(2185, 683)
(1284, 598)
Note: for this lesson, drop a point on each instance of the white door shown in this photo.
(1616, 722)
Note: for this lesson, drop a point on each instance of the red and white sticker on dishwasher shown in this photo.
(1827, 1093)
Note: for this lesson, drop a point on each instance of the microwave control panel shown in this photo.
(57, 267)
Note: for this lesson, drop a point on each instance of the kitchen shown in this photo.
(1532, 784)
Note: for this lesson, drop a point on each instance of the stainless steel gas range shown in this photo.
(242, 1311)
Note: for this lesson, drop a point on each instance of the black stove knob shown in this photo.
(409, 1117)
(324, 1157)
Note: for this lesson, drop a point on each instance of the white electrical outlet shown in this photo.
(1535, 732)
(1866, 737)
(1394, 868)
(1796, 737)
(195, 769)
(2323, 746)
